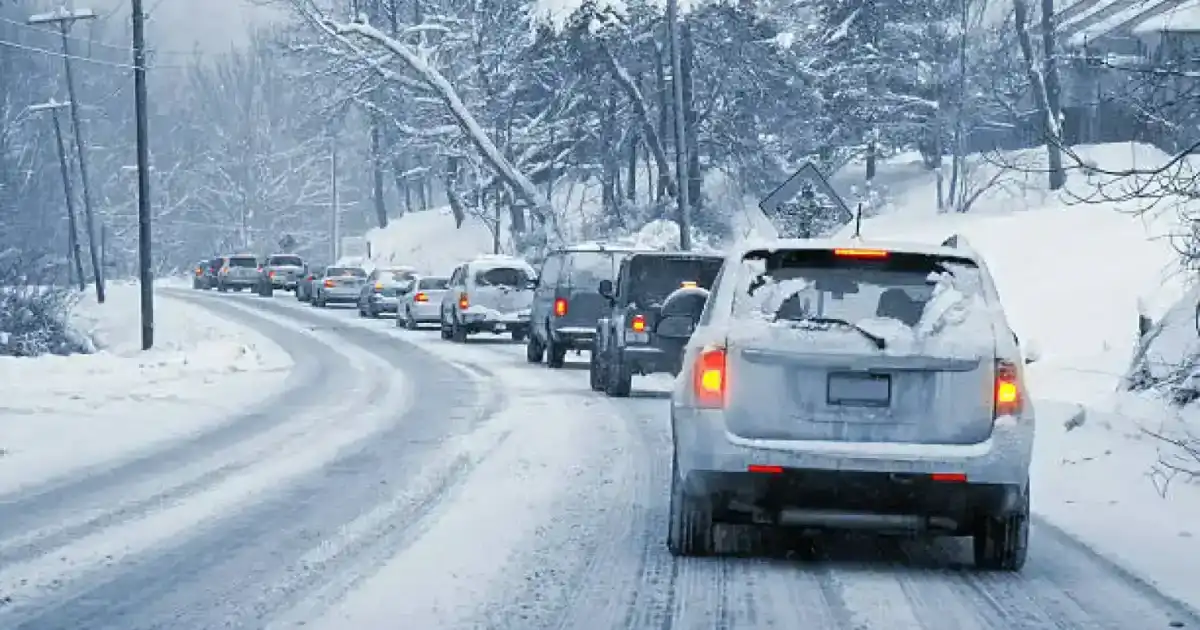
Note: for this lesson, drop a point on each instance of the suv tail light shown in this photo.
(329, 284)
(270, 274)
(638, 323)
(1007, 394)
(420, 297)
(463, 302)
(709, 378)
(560, 307)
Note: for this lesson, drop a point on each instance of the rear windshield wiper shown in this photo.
(879, 342)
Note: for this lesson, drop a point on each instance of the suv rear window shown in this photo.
(653, 278)
(502, 277)
(806, 285)
(243, 261)
(396, 275)
(587, 269)
(345, 271)
(433, 284)
(285, 261)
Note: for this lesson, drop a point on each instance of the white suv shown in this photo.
(489, 294)
(843, 385)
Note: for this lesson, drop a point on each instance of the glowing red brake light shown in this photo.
(709, 378)
(638, 323)
(463, 302)
(1007, 394)
(560, 307)
(270, 274)
(420, 297)
(860, 253)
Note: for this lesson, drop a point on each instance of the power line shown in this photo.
(53, 53)
(82, 40)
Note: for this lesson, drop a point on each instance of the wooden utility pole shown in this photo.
(145, 276)
(65, 18)
(681, 174)
(53, 106)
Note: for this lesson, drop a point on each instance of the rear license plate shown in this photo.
(859, 389)
(500, 328)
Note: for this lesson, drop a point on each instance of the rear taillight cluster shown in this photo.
(270, 274)
(329, 284)
(420, 297)
(463, 302)
(638, 323)
(560, 307)
(709, 378)
(1007, 393)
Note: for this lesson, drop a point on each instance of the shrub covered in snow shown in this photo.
(34, 313)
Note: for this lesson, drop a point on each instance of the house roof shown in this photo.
(1181, 18)
(1088, 20)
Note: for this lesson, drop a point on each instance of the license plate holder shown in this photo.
(858, 389)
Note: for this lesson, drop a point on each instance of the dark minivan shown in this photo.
(567, 303)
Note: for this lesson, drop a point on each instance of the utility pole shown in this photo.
(145, 279)
(64, 18)
(335, 211)
(681, 174)
(53, 106)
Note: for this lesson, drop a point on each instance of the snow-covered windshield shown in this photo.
(502, 277)
(817, 285)
(243, 261)
(354, 272)
(396, 275)
(653, 278)
(285, 261)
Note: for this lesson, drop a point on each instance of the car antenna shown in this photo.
(858, 221)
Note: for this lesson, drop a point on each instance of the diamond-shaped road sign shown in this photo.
(808, 176)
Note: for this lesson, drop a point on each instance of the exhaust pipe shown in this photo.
(833, 519)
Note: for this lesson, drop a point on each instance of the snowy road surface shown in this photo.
(406, 482)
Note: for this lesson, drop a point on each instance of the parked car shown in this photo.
(834, 385)
(281, 271)
(488, 294)
(567, 303)
(199, 281)
(238, 272)
(305, 286)
(633, 337)
(338, 285)
(421, 304)
(381, 291)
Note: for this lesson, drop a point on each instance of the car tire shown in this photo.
(410, 322)
(458, 332)
(619, 378)
(690, 524)
(556, 354)
(534, 350)
(222, 288)
(519, 335)
(445, 328)
(1001, 543)
(596, 376)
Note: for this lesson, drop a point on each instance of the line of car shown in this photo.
(820, 385)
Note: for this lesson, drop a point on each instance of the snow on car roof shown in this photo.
(927, 249)
(492, 261)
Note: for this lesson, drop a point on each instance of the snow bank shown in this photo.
(62, 414)
(428, 241)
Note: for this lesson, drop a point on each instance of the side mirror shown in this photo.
(532, 284)
(606, 289)
(1032, 352)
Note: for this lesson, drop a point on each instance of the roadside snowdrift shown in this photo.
(60, 414)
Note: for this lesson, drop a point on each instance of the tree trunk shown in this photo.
(639, 105)
(1053, 151)
(451, 179)
(695, 179)
(377, 173)
(664, 119)
(1058, 176)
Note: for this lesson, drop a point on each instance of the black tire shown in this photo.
(445, 329)
(556, 354)
(596, 376)
(372, 312)
(410, 322)
(1001, 543)
(519, 335)
(619, 381)
(222, 288)
(458, 332)
(534, 350)
(690, 523)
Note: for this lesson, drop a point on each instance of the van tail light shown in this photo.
(329, 284)
(560, 307)
(638, 323)
(421, 297)
(709, 380)
(463, 302)
(1007, 394)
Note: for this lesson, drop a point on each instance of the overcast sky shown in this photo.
(181, 25)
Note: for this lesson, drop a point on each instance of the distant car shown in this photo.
(489, 294)
(421, 304)
(339, 285)
(199, 281)
(633, 337)
(567, 303)
(238, 272)
(381, 291)
(281, 271)
(833, 385)
(305, 284)
(212, 269)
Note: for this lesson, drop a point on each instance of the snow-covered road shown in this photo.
(402, 481)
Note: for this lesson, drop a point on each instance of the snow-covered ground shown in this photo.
(59, 415)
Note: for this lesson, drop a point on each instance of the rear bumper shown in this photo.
(425, 313)
(332, 296)
(238, 282)
(384, 304)
(573, 337)
(283, 283)
(649, 359)
(703, 446)
(493, 318)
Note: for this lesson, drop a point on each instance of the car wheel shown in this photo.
(222, 288)
(519, 334)
(534, 349)
(372, 312)
(458, 332)
(690, 525)
(1001, 543)
(410, 322)
(556, 354)
(619, 381)
(596, 376)
(445, 327)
